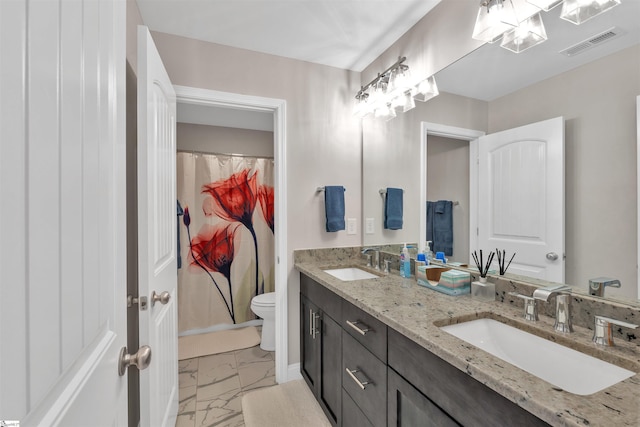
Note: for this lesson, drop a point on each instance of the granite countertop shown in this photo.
(417, 313)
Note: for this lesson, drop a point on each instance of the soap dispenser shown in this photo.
(428, 252)
(405, 262)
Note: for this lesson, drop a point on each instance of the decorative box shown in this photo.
(455, 279)
(429, 272)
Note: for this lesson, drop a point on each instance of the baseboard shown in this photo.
(293, 372)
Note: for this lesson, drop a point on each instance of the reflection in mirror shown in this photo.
(595, 91)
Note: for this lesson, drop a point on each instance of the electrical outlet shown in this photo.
(369, 226)
(352, 226)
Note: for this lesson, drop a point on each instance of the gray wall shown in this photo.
(225, 140)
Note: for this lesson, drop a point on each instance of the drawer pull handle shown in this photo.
(358, 330)
(357, 381)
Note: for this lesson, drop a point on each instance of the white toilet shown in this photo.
(264, 306)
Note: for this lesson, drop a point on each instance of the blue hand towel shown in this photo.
(393, 209)
(334, 207)
(443, 227)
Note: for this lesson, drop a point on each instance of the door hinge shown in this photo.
(142, 301)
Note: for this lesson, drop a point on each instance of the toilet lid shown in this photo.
(268, 298)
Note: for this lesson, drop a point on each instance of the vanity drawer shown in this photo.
(352, 416)
(364, 378)
(366, 329)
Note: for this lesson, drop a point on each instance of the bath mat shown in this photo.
(284, 405)
(217, 342)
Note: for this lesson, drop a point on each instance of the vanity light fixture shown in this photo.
(519, 22)
(579, 11)
(392, 89)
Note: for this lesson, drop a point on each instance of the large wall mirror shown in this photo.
(492, 89)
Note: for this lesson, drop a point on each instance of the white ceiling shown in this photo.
(347, 34)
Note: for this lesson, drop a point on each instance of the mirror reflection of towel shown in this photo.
(393, 209)
(440, 226)
(334, 207)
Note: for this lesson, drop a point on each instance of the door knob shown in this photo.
(141, 359)
(552, 256)
(163, 298)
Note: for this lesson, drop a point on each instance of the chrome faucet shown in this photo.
(563, 305)
(597, 285)
(602, 333)
(376, 257)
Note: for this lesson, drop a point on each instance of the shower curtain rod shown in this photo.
(224, 154)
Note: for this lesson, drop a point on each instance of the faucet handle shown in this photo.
(387, 264)
(368, 260)
(602, 333)
(530, 307)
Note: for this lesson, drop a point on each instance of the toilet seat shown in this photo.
(264, 300)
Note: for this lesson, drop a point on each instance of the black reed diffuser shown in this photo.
(482, 267)
(502, 259)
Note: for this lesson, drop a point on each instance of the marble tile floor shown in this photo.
(211, 387)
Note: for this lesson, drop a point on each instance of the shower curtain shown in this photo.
(226, 238)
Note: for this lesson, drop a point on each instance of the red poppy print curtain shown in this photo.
(226, 238)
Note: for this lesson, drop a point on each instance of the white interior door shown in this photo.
(157, 257)
(62, 222)
(521, 197)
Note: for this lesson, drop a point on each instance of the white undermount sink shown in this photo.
(561, 366)
(350, 273)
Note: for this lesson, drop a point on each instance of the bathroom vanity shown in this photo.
(373, 354)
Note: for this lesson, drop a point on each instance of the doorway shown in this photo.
(204, 98)
(455, 134)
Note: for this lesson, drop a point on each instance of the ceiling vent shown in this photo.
(591, 42)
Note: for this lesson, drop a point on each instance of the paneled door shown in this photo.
(157, 237)
(62, 216)
(521, 197)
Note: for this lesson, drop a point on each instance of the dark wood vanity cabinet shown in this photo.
(365, 374)
(321, 346)
(453, 392)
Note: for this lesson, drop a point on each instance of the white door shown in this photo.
(62, 221)
(521, 197)
(157, 257)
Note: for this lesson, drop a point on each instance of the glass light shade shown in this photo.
(528, 34)
(579, 11)
(427, 89)
(391, 113)
(409, 102)
(382, 111)
(494, 18)
(362, 107)
(545, 5)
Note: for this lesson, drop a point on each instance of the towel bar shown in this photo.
(456, 203)
(321, 189)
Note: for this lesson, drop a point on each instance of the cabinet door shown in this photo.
(309, 343)
(409, 407)
(330, 387)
